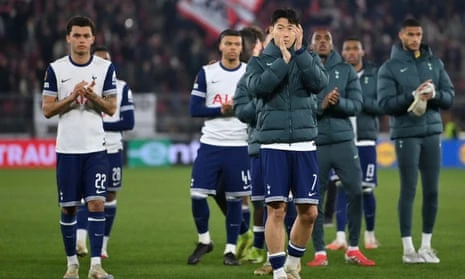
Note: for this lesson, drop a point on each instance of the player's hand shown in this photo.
(227, 109)
(334, 96)
(284, 51)
(331, 99)
(426, 90)
(79, 89)
(88, 91)
(299, 35)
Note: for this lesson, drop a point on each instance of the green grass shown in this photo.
(154, 231)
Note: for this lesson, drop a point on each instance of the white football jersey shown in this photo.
(80, 130)
(124, 102)
(218, 85)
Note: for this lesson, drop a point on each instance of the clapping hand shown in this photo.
(227, 109)
(331, 99)
(284, 51)
(426, 90)
(299, 35)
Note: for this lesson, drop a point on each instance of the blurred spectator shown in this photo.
(157, 50)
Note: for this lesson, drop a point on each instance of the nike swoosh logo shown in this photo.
(269, 64)
(98, 192)
(215, 81)
(403, 70)
(65, 80)
(246, 187)
(311, 194)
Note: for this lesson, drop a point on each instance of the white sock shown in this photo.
(230, 248)
(81, 235)
(204, 238)
(105, 242)
(72, 260)
(370, 235)
(352, 248)
(341, 237)
(95, 260)
(407, 243)
(292, 262)
(279, 273)
(426, 240)
(320, 253)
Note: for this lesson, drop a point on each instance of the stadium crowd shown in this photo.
(157, 50)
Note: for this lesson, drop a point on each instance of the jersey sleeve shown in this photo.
(109, 85)
(197, 104)
(50, 87)
(200, 85)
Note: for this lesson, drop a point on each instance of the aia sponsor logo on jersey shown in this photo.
(221, 99)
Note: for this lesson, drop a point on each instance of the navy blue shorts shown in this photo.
(115, 174)
(232, 162)
(290, 171)
(81, 176)
(367, 156)
(258, 188)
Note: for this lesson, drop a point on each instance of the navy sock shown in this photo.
(233, 220)
(68, 232)
(201, 214)
(110, 213)
(245, 225)
(295, 251)
(369, 207)
(277, 260)
(259, 239)
(291, 214)
(82, 217)
(96, 229)
(341, 209)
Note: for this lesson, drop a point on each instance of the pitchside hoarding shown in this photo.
(40, 153)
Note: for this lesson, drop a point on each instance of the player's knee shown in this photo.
(258, 204)
(72, 210)
(198, 195)
(276, 210)
(308, 213)
(111, 196)
(96, 205)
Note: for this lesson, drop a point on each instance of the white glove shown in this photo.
(418, 106)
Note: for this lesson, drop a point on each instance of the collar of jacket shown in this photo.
(369, 68)
(333, 59)
(399, 52)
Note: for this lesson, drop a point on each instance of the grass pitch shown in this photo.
(154, 231)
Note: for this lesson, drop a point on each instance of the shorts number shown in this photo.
(315, 177)
(370, 173)
(100, 179)
(116, 174)
(246, 178)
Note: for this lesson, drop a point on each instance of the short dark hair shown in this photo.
(290, 14)
(228, 32)
(411, 22)
(353, 39)
(100, 48)
(250, 35)
(80, 21)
